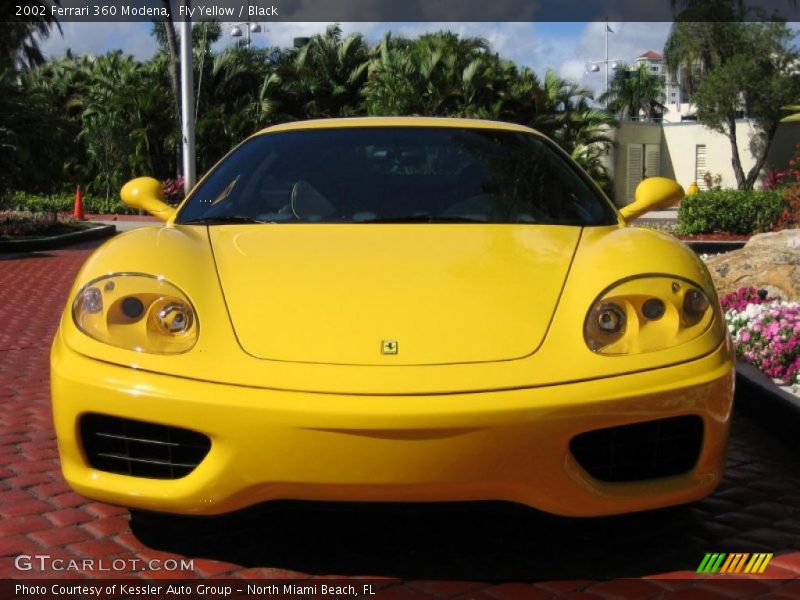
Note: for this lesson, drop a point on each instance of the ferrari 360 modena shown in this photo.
(394, 309)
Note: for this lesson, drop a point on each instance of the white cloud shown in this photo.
(525, 43)
(97, 38)
(628, 41)
(537, 45)
(563, 47)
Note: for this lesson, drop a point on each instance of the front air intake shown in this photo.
(141, 449)
(641, 451)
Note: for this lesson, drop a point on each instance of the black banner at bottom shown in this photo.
(183, 589)
(383, 589)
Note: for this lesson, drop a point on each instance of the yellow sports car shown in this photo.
(393, 309)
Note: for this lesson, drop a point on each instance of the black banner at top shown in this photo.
(408, 10)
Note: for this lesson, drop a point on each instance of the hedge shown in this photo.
(732, 211)
(62, 203)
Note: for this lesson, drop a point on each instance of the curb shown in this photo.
(760, 397)
(58, 241)
(713, 246)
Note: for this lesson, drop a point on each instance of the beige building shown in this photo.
(676, 90)
(686, 151)
(677, 146)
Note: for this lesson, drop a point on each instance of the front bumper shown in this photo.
(506, 445)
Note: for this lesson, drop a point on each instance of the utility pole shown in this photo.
(187, 102)
(608, 29)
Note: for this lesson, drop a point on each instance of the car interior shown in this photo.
(397, 177)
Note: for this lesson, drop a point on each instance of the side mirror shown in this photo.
(653, 193)
(145, 193)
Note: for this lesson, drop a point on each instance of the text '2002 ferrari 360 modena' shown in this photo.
(394, 309)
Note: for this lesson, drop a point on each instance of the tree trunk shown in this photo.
(174, 70)
(736, 162)
(761, 158)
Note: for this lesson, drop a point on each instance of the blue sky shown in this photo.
(565, 47)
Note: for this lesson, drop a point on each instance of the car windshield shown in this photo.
(397, 175)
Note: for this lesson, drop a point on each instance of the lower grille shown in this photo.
(640, 451)
(141, 449)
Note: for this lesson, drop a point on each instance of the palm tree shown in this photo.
(228, 100)
(125, 116)
(15, 115)
(635, 93)
(112, 117)
(438, 74)
(394, 84)
(698, 47)
(322, 79)
(58, 84)
(566, 114)
(168, 40)
(19, 39)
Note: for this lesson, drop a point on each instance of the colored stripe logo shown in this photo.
(721, 563)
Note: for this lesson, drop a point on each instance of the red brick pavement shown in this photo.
(40, 515)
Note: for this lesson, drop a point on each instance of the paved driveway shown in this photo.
(756, 509)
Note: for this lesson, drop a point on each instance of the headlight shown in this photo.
(647, 313)
(137, 312)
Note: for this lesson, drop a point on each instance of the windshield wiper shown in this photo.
(458, 219)
(425, 219)
(222, 220)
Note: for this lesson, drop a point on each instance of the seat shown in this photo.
(308, 204)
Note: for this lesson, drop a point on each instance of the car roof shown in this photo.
(396, 122)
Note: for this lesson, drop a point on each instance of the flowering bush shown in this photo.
(766, 332)
(173, 189)
(774, 179)
(739, 300)
(790, 217)
(15, 223)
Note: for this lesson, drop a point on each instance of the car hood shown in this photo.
(351, 294)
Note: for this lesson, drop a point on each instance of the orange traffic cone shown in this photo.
(77, 209)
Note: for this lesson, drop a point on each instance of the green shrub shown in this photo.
(731, 211)
(62, 203)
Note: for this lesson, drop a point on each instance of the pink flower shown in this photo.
(768, 336)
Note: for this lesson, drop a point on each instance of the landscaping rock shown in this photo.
(768, 261)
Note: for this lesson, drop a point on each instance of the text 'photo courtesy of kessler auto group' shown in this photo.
(374, 299)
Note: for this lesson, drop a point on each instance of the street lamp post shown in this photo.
(593, 66)
(250, 27)
(187, 103)
(608, 30)
(187, 93)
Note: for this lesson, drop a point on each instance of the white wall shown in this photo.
(675, 112)
(681, 139)
(678, 151)
(629, 132)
